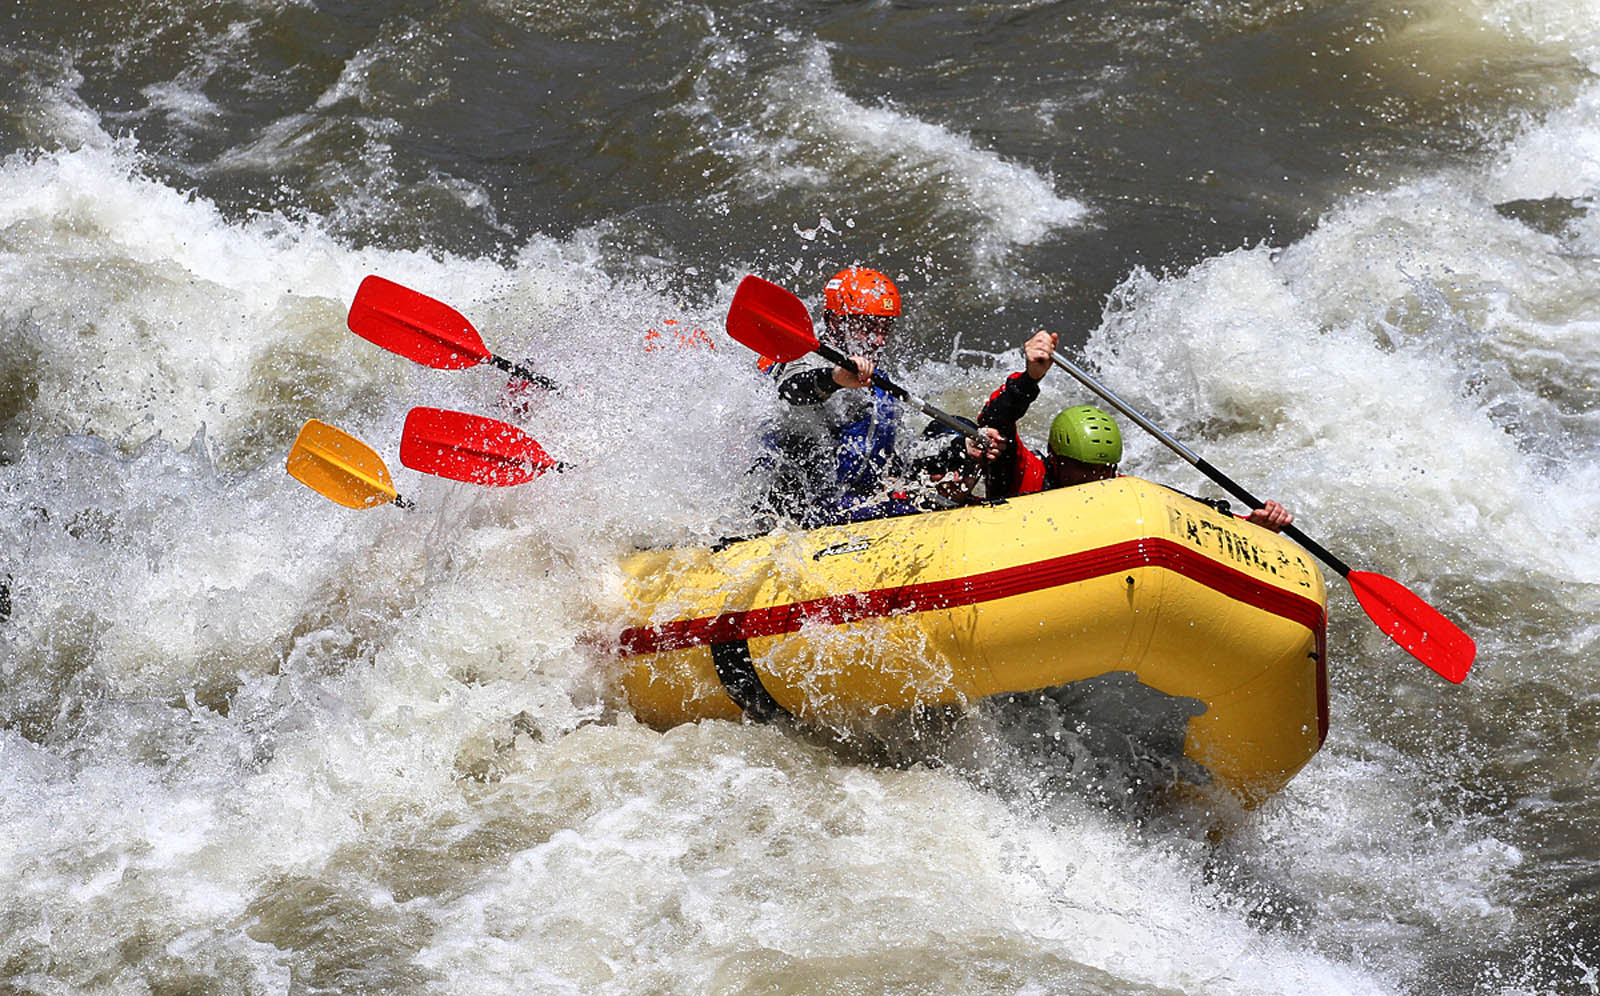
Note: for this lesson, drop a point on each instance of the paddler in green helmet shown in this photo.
(1085, 443)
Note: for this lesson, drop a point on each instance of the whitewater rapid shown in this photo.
(254, 742)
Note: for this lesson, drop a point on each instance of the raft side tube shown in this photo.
(1033, 593)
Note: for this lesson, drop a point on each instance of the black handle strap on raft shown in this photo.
(739, 679)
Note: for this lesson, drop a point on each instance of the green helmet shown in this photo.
(1087, 434)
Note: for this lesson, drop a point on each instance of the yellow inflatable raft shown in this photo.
(1033, 593)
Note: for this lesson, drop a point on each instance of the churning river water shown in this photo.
(253, 742)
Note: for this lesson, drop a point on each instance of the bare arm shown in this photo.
(1270, 515)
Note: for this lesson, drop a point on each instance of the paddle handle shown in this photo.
(1223, 480)
(837, 358)
(536, 379)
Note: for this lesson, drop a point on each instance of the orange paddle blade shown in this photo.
(470, 448)
(339, 466)
(414, 325)
(1414, 624)
(770, 320)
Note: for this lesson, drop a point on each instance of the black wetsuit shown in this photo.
(1018, 470)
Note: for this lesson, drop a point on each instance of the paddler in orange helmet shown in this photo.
(859, 308)
(835, 451)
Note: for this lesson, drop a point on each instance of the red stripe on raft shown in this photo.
(989, 586)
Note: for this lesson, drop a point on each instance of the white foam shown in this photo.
(1566, 25)
(1433, 869)
(641, 884)
(1556, 156)
(257, 704)
(1397, 343)
(1021, 206)
(154, 315)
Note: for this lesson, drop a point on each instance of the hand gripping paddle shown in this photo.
(775, 323)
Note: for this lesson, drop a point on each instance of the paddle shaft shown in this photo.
(536, 379)
(837, 358)
(1227, 483)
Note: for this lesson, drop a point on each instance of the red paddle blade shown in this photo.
(415, 325)
(770, 320)
(470, 448)
(1414, 624)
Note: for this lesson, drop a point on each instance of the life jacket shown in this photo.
(1030, 471)
(861, 454)
(866, 447)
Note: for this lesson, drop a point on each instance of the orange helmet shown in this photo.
(860, 291)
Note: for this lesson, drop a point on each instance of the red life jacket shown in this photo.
(1030, 470)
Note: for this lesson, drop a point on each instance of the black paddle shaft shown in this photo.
(1227, 483)
(536, 379)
